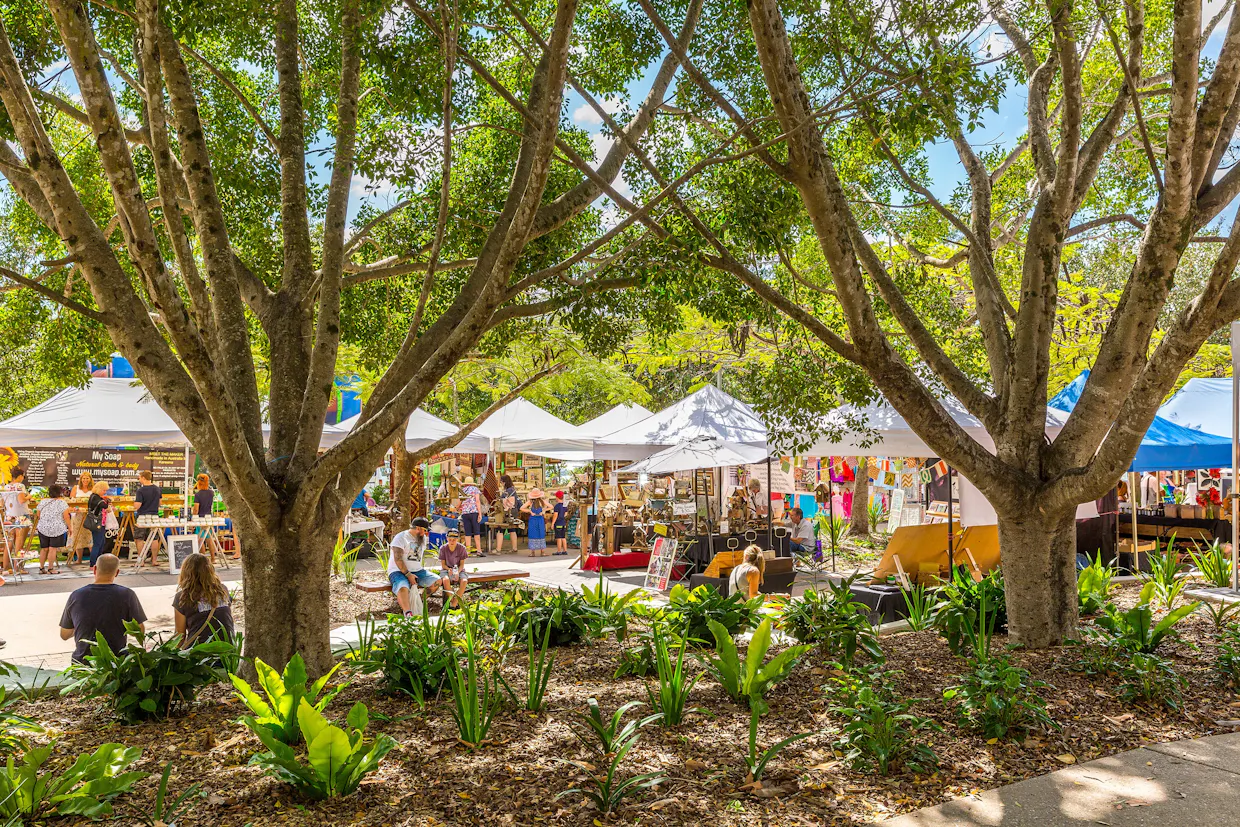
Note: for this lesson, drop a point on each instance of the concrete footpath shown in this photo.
(1193, 782)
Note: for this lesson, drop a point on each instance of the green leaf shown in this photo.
(328, 751)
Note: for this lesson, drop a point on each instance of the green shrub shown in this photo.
(756, 761)
(835, 621)
(86, 789)
(748, 682)
(1227, 662)
(674, 682)
(606, 735)
(337, 759)
(920, 603)
(879, 733)
(1093, 586)
(413, 654)
(167, 810)
(1134, 629)
(1220, 613)
(1148, 678)
(537, 673)
(637, 660)
(151, 677)
(13, 727)
(569, 616)
(475, 691)
(278, 714)
(614, 609)
(689, 612)
(959, 615)
(1214, 564)
(1000, 700)
(1165, 575)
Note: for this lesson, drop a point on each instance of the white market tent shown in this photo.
(424, 428)
(708, 412)
(877, 430)
(621, 416)
(699, 453)
(521, 427)
(105, 414)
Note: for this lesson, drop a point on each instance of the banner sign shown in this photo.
(63, 466)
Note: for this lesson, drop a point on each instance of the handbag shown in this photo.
(91, 521)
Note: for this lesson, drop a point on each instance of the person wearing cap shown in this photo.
(560, 524)
(407, 566)
(536, 509)
(452, 557)
(471, 516)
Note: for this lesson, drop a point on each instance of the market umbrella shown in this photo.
(702, 452)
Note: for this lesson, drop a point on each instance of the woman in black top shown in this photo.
(96, 508)
(204, 502)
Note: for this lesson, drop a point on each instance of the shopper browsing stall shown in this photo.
(80, 539)
(471, 516)
(747, 577)
(535, 510)
(560, 516)
(52, 526)
(512, 510)
(204, 505)
(95, 521)
(16, 513)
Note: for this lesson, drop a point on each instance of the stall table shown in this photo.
(1163, 527)
(620, 560)
(886, 603)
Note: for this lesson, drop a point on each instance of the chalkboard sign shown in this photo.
(180, 547)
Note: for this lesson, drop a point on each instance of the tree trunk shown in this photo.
(402, 473)
(1039, 571)
(859, 526)
(287, 591)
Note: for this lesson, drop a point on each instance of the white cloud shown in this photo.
(585, 115)
(601, 144)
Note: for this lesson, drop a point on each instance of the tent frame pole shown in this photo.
(951, 518)
(770, 529)
(1235, 460)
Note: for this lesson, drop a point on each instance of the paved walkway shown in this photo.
(1185, 783)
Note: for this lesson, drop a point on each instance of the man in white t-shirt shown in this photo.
(405, 567)
(803, 534)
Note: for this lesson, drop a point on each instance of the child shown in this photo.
(561, 525)
(452, 556)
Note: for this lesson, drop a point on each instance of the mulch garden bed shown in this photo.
(430, 779)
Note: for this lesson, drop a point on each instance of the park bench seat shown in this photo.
(475, 578)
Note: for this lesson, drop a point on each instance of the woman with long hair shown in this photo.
(747, 577)
(79, 538)
(202, 605)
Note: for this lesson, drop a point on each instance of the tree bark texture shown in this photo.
(859, 524)
(402, 474)
(1039, 569)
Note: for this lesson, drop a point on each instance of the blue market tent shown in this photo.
(1166, 446)
(1201, 405)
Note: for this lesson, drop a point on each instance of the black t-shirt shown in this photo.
(203, 500)
(100, 607)
(148, 498)
(196, 617)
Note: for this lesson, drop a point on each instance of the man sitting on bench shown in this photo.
(406, 567)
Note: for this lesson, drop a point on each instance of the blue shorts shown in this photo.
(400, 581)
(470, 524)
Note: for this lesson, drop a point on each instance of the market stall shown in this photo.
(1167, 446)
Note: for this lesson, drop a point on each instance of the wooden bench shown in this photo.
(476, 578)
